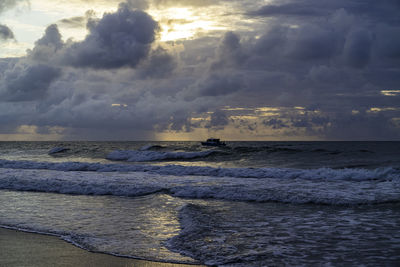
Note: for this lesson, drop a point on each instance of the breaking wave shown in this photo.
(379, 174)
(145, 154)
(296, 190)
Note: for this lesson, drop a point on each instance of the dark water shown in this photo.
(247, 204)
(304, 155)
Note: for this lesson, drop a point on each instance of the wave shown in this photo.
(379, 174)
(269, 149)
(247, 234)
(56, 150)
(201, 238)
(194, 224)
(145, 154)
(293, 150)
(132, 184)
(150, 147)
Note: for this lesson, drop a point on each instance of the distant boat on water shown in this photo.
(213, 142)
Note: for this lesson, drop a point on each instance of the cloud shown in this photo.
(195, 3)
(8, 4)
(52, 37)
(323, 55)
(74, 22)
(310, 42)
(322, 69)
(47, 46)
(219, 85)
(136, 4)
(29, 78)
(81, 97)
(159, 64)
(385, 10)
(229, 53)
(362, 126)
(298, 9)
(79, 21)
(219, 119)
(5, 33)
(275, 123)
(120, 39)
(26, 82)
(357, 48)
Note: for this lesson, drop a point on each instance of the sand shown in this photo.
(27, 249)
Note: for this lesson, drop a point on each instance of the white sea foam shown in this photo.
(331, 192)
(253, 234)
(101, 224)
(379, 174)
(146, 155)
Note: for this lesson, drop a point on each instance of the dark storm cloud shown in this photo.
(275, 123)
(329, 59)
(24, 80)
(388, 42)
(160, 64)
(363, 126)
(119, 39)
(46, 47)
(219, 119)
(307, 44)
(28, 79)
(358, 48)
(229, 53)
(385, 10)
(220, 84)
(298, 9)
(52, 37)
(310, 42)
(329, 46)
(221, 78)
(46, 91)
(5, 33)
(333, 56)
(27, 82)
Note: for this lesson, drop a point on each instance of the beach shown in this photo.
(198, 132)
(28, 249)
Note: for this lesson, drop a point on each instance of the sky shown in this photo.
(193, 69)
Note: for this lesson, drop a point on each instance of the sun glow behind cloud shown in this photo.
(176, 23)
(211, 68)
(13, 49)
(183, 23)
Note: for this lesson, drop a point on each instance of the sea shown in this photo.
(246, 204)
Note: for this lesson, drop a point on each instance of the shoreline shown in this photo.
(19, 248)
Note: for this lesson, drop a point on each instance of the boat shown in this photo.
(213, 142)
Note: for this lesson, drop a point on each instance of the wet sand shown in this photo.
(26, 249)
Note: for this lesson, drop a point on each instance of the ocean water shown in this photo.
(247, 204)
